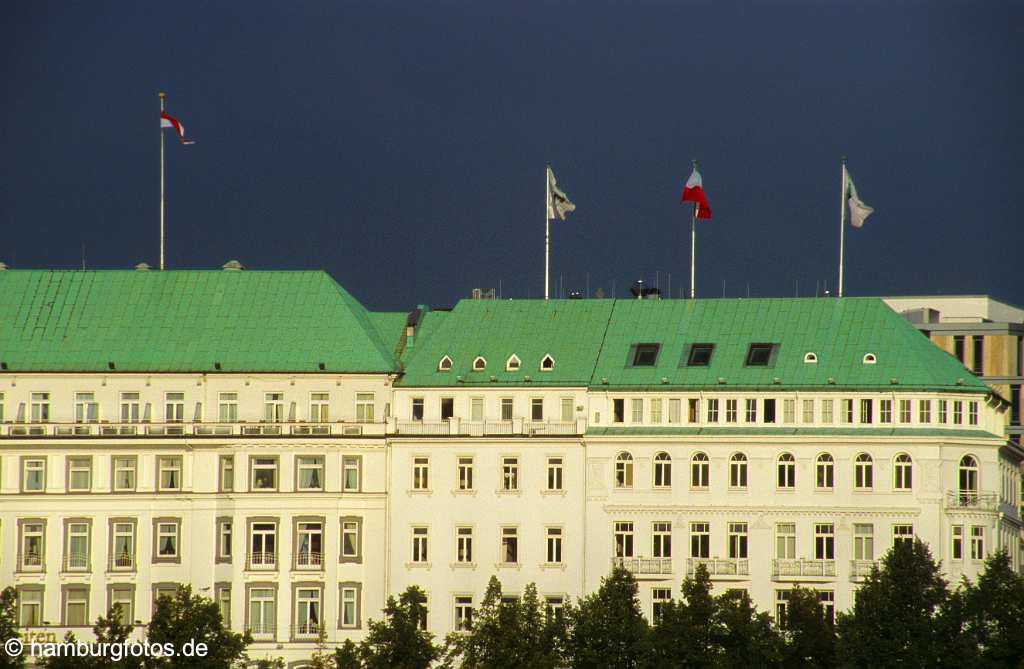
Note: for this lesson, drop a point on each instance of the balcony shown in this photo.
(487, 428)
(789, 570)
(76, 562)
(644, 566)
(962, 500)
(861, 569)
(261, 561)
(308, 560)
(32, 562)
(307, 631)
(123, 562)
(719, 566)
(197, 429)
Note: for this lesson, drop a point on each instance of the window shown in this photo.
(263, 545)
(738, 541)
(869, 359)
(769, 411)
(694, 410)
(644, 355)
(33, 478)
(977, 542)
(884, 411)
(364, 407)
(319, 407)
(700, 540)
(942, 410)
(547, 364)
(738, 471)
(824, 541)
(637, 405)
(166, 533)
(464, 545)
(567, 415)
(624, 470)
(262, 611)
(972, 413)
(675, 411)
(122, 547)
(827, 602)
(731, 410)
(826, 411)
(351, 539)
(33, 545)
(513, 363)
(273, 407)
(781, 607)
(309, 544)
(465, 472)
(510, 473)
(476, 409)
(264, 473)
(463, 613)
(350, 595)
(30, 607)
(479, 363)
(824, 470)
(656, 414)
(785, 541)
(700, 355)
(40, 407)
(968, 479)
(712, 410)
(351, 473)
(417, 408)
(863, 472)
(554, 606)
(958, 542)
(786, 471)
(902, 534)
(554, 545)
(661, 533)
(537, 409)
(510, 545)
(131, 408)
(924, 411)
(700, 470)
(222, 593)
(227, 407)
(419, 544)
(979, 355)
(445, 364)
(903, 472)
(421, 473)
(86, 408)
(76, 546)
(808, 411)
(904, 411)
(958, 412)
(623, 535)
(788, 411)
(863, 542)
(506, 408)
(555, 470)
(169, 472)
(224, 543)
(661, 599)
(751, 411)
(866, 411)
(79, 474)
(309, 471)
(121, 600)
(846, 411)
(760, 355)
(174, 407)
(447, 408)
(662, 470)
(227, 473)
(810, 357)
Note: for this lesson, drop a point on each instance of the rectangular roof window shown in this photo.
(761, 355)
(700, 355)
(644, 355)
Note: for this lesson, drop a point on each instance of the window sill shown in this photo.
(417, 565)
(470, 492)
(417, 492)
(546, 566)
(516, 493)
(560, 493)
(508, 565)
(462, 565)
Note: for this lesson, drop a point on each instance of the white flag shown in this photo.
(858, 210)
(558, 204)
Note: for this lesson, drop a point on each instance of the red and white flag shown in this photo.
(693, 191)
(168, 121)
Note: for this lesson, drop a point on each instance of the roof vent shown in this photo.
(321, 366)
(110, 365)
(458, 378)
(3, 365)
(142, 267)
(664, 379)
(527, 378)
(721, 380)
(216, 366)
(494, 379)
(831, 381)
(959, 382)
(604, 380)
(894, 381)
(233, 265)
(776, 380)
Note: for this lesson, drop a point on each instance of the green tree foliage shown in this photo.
(194, 618)
(66, 660)
(809, 639)
(9, 627)
(987, 616)
(397, 642)
(686, 633)
(745, 637)
(893, 621)
(111, 630)
(607, 630)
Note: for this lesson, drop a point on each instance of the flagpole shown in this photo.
(163, 96)
(693, 247)
(547, 228)
(842, 223)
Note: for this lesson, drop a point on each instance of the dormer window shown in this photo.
(513, 363)
(479, 363)
(700, 355)
(445, 365)
(761, 355)
(870, 359)
(810, 358)
(644, 355)
(547, 364)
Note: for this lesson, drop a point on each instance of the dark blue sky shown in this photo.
(401, 145)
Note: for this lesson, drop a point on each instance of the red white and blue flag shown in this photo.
(168, 121)
(693, 191)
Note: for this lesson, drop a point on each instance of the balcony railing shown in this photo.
(802, 568)
(122, 563)
(260, 561)
(308, 560)
(976, 501)
(76, 562)
(306, 630)
(263, 630)
(200, 429)
(719, 566)
(32, 562)
(465, 428)
(639, 565)
(861, 569)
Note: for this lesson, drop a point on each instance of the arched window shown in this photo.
(903, 472)
(787, 471)
(445, 365)
(870, 359)
(479, 363)
(662, 470)
(738, 471)
(968, 480)
(513, 363)
(624, 470)
(547, 363)
(700, 470)
(824, 471)
(810, 357)
(863, 472)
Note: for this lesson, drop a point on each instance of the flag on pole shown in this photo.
(693, 191)
(168, 121)
(858, 210)
(558, 204)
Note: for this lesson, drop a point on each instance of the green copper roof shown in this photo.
(390, 328)
(185, 321)
(570, 331)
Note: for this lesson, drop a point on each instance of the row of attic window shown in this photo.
(513, 364)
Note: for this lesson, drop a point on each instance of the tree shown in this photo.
(346, 656)
(607, 629)
(991, 612)
(112, 631)
(397, 642)
(9, 627)
(66, 660)
(893, 620)
(188, 618)
(745, 637)
(685, 635)
(322, 659)
(809, 639)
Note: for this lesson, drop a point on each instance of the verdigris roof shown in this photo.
(185, 321)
